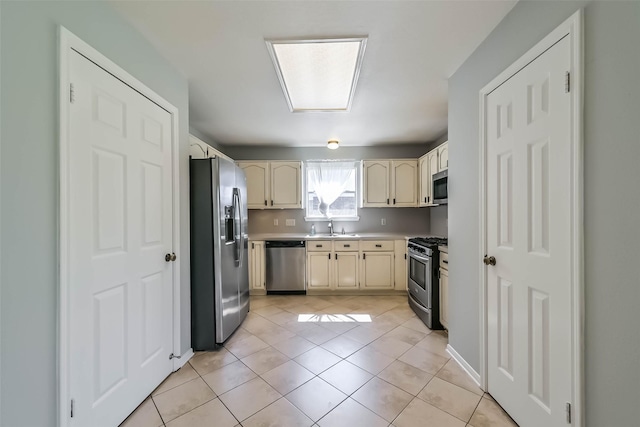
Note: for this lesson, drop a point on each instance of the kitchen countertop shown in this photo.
(305, 236)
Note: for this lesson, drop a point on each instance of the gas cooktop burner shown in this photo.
(429, 241)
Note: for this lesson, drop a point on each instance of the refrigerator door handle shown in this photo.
(240, 230)
(236, 239)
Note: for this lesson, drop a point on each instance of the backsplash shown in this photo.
(439, 220)
(412, 221)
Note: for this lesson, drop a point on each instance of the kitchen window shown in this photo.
(331, 190)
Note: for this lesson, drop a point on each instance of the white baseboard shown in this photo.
(464, 365)
(184, 358)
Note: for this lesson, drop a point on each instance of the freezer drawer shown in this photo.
(285, 266)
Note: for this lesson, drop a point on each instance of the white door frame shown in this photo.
(68, 42)
(572, 28)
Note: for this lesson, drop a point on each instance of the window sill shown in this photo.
(336, 219)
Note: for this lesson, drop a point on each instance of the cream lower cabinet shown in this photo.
(401, 265)
(332, 265)
(377, 270)
(444, 290)
(257, 277)
(318, 270)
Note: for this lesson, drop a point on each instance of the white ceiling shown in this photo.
(234, 94)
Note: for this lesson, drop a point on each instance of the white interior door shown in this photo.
(529, 183)
(120, 215)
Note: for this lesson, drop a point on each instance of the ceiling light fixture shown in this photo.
(318, 75)
(332, 144)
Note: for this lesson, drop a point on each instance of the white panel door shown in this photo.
(404, 183)
(529, 234)
(120, 221)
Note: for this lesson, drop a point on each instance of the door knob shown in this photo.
(170, 257)
(489, 260)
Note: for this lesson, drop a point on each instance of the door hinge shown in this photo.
(568, 408)
(173, 356)
(567, 82)
(72, 93)
(72, 403)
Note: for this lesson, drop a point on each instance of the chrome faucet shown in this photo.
(331, 226)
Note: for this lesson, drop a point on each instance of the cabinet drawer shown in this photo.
(318, 245)
(376, 245)
(346, 246)
(444, 260)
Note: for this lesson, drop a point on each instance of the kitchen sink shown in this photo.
(331, 236)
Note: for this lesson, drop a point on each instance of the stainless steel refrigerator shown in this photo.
(219, 265)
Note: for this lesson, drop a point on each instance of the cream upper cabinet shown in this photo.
(256, 266)
(318, 270)
(377, 270)
(401, 265)
(443, 156)
(257, 174)
(389, 183)
(376, 183)
(404, 183)
(286, 185)
(275, 185)
(430, 164)
(424, 181)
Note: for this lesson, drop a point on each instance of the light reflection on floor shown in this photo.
(359, 318)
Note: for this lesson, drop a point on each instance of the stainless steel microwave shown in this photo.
(440, 190)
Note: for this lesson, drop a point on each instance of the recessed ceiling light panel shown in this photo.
(318, 75)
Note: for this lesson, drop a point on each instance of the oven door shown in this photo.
(420, 278)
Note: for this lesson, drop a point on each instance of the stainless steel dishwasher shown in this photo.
(285, 266)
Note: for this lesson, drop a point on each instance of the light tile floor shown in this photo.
(328, 361)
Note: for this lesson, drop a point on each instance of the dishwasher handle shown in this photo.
(269, 244)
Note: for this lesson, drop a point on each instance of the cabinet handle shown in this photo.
(425, 200)
(445, 261)
(429, 197)
(394, 201)
(265, 203)
(318, 246)
(364, 256)
(346, 246)
(387, 201)
(405, 256)
(336, 256)
(272, 203)
(329, 256)
(253, 246)
(378, 246)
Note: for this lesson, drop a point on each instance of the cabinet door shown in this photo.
(443, 156)
(432, 160)
(318, 275)
(346, 270)
(257, 183)
(444, 298)
(377, 270)
(401, 265)
(286, 185)
(424, 181)
(404, 183)
(256, 266)
(376, 183)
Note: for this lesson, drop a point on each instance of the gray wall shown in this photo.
(28, 180)
(612, 198)
(401, 220)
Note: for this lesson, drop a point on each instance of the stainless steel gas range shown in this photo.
(424, 292)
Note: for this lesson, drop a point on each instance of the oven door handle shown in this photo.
(413, 255)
